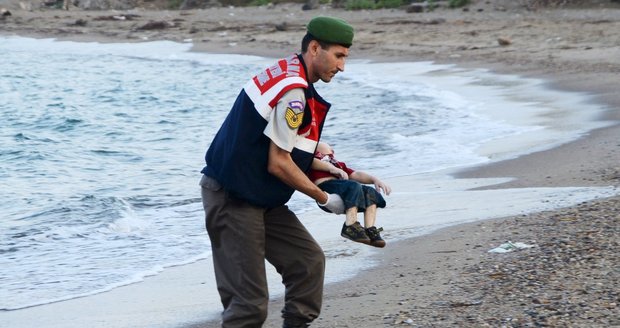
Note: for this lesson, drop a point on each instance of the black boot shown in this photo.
(375, 236)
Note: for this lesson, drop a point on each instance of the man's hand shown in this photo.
(333, 204)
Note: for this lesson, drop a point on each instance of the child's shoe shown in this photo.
(355, 232)
(375, 236)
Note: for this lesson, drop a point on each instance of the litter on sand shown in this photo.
(509, 247)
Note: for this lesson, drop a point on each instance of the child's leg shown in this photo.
(351, 214)
(373, 200)
(373, 233)
(370, 216)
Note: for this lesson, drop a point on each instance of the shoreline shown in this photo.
(452, 279)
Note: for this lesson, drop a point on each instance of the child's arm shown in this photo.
(320, 165)
(363, 177)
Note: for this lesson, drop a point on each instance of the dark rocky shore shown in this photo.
(570, 278)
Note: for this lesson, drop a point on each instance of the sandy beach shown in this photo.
(570, 278)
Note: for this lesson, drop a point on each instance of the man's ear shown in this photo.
(314, 47)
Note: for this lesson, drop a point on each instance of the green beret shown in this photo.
(331, 30)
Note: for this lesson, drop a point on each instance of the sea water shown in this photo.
(101, 147)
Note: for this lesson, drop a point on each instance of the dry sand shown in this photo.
(447, 279)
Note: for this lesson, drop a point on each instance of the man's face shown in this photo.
(328, 62)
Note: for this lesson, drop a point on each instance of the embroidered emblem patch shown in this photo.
(294, 114)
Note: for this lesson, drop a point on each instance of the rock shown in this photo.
(282, 27)
(79, 22)
(117, 17)
(503, 41)
(156, 25)
(199, 4)
(5, 12)
(49, 3)
(415, 8)
(311, 5)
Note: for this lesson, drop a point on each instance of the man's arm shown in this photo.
(282, 130)
(282, 166)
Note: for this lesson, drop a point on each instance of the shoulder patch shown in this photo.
(294, 114)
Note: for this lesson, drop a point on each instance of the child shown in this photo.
(335, 177)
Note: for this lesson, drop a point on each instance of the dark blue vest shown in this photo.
(238, 155)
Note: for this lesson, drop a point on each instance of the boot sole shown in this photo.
(379, 244)
(361, 241)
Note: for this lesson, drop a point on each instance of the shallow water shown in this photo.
(102, 145)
